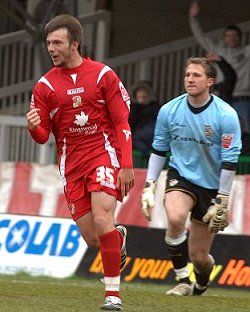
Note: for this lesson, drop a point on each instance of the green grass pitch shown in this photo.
(23, 293)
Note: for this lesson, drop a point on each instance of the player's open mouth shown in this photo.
(54, 57)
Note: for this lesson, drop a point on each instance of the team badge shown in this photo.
(173, 182)
(77, 101)
(208, 130)
(227, 140)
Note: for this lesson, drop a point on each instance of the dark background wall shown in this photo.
(137, 24)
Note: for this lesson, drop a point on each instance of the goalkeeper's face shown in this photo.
(60, 49)
(196, 82)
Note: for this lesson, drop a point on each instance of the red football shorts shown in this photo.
(78, 193)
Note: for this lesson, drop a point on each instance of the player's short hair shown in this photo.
(208, 66)
(72, 24)
(233, 28)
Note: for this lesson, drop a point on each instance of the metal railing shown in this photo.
(21, 60)
(163, 65)
(16, 144)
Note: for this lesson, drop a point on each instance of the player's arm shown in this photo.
(38, 133)
(205, 41)
(217, 216)
(38, 120)
(229, 74)
(156, 161)
(118, 102)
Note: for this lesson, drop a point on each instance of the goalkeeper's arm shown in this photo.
(155, 165)
(217, 216)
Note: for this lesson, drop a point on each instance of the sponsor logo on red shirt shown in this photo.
(75, 91)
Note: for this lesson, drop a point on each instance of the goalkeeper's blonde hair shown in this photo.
(206, 64)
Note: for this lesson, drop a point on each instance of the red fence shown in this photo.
(33, 189)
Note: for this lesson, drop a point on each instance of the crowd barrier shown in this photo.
(148, 260)
(34, 189)
(38, 236)
(54, 247)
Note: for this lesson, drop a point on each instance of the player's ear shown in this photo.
(210, 82)
(75, 44)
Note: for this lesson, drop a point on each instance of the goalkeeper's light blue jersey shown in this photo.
(199, 141)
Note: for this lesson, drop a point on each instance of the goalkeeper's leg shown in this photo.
(178, 203)
(200, 241)
(202, 279)
(178, 253)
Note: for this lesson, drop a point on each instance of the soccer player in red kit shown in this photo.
(86, 106)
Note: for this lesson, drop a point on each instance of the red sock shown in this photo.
(110, 245)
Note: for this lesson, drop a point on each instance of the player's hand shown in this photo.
(33, 119)
(125, 180)
(217, 216)
(147, 199)
(194, 9)
(212, 56)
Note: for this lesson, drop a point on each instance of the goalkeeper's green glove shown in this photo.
(217, 216)
(147, 199)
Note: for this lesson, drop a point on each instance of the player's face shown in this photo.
(232, 38)
(59, 47)
(142, 96)
(196, 82)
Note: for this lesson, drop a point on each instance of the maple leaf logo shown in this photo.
(81, 119)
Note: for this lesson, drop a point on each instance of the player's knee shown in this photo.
(175, 225)
(100, 221)
(102, 224)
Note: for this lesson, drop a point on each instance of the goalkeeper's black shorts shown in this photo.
(202, 196)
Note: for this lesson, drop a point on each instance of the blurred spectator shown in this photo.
(225, 88)
(143, 114)
(245, 137)
(234, 53)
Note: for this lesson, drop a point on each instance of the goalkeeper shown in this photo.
(203, 134)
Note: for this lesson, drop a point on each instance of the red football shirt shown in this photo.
(87, 110)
